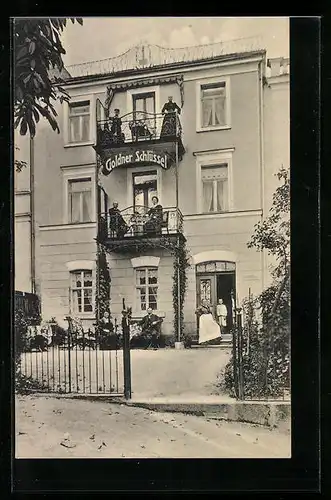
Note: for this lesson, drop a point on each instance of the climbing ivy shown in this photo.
(181, 263)
(102, 296)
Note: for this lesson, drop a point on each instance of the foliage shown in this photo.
(265, 344)
(21, 323)
(26, 385)
(273, 232)
(38, 51)
(103, 283)
(181, 263)
(21, 341)
(19, 164)
(265, 352)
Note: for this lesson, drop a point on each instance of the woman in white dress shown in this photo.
(208, 327)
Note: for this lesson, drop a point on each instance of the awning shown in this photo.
(117, 87)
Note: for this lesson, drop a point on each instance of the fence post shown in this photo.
(68, 318)
(235, 360)
(240, 361)
(126, 353)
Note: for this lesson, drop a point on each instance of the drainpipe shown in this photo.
(32, 220)
(262, 165)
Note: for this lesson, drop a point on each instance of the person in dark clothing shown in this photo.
(150, 325)
(155, 214)
(107, 337)
(170, 119)
(117, 224)
(116, 127)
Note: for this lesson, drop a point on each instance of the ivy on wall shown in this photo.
(102, 295)
(181, 263)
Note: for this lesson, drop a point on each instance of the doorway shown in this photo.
(144, 188)
(225, 290)
(217, 280)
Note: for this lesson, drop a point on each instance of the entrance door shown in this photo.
(206, 290)
(144, 109)
(225, 290)
(217, 280)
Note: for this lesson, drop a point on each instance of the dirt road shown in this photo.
(58, 428)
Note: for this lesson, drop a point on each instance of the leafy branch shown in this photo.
(38, 52)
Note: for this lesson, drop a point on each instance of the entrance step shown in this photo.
(224, 343)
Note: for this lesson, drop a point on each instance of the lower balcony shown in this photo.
(140, 226)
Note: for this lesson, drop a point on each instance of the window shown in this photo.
(144, 188)
(81, 291)
(79, 122)
(214, 180)
(80, 200)
(147, 288)
(213, 110)
(142, 104)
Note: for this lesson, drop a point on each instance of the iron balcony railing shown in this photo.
(137, 127)
(140, 222)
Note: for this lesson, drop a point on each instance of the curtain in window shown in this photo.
(220, 111)
(150, 105)
(87, 205)
(74, 128)
(75, 208)
(85, 127)
(222, 196)
(207, 195)
(77, 301)
(207, 113)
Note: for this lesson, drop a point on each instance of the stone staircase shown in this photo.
(224, 343)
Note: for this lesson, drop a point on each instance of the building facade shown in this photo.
(210, 164)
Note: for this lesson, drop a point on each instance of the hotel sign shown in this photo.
(135, 157)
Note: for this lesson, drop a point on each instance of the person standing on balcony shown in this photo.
(117, 224)
(170, 119)
(116, 127)
(155, 215)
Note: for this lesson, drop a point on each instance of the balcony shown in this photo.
(159, 133)
(139, 227)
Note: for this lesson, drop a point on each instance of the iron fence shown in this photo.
(73, 360)
(260, 359)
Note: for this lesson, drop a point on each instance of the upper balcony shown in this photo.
(139, 225)
(139, 130)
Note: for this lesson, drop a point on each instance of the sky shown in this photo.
(103, 37)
